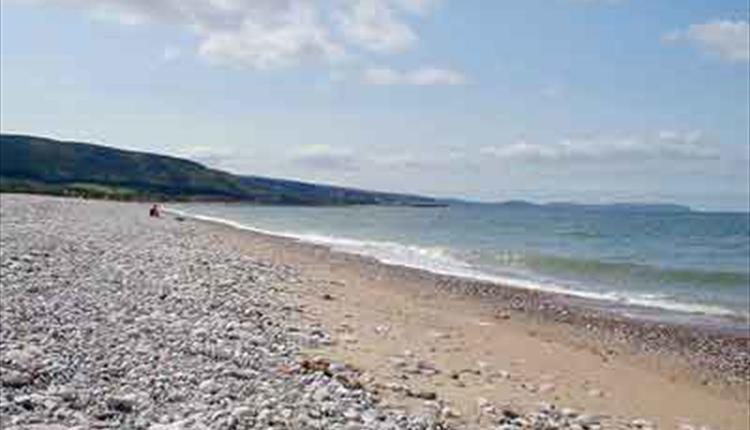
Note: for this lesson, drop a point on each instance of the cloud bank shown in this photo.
(267, 34)
(665, 145)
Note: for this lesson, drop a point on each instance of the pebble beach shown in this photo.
(111, 319)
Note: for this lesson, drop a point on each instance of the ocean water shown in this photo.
(693, 264)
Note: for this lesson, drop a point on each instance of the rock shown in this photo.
(337, 367)
(14, 379)
(529, 387)
(210, 386)
(321, 394)
(171, 426)
(317, 364)
(398, 362)
(352, 415)
(509, 413)
(122, 403)
(65, 393)
(482, 403)
(450, 413)
(46, 427)
(427, 369)
(502, 374)
(264, 415)
(369, 417)
(396, 387)
(241, 412)
(641, 423)
(26, 359)
(546, 388)
(588, 421)
(425, 395)
(26, 402)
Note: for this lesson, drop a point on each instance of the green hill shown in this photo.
(41, 165)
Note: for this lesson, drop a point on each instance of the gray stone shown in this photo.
(125, 403)
(14, 379)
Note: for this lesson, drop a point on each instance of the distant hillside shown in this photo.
(41, 165)
(610, 207)
(295, 192)
(623, 207)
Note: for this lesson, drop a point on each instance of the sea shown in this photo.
(683, 265)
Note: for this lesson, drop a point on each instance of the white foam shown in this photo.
(439, 260)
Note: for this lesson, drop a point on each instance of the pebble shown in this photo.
(123, 403)
(546, 388)
(14, 379)
(425, 395)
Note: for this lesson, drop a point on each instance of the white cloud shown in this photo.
(729, 39)
(290, 35)
(423, 76)
(416, 6)
(374, 24)
(663, 145)
(272, 33)
(323, 157)
(210, 155)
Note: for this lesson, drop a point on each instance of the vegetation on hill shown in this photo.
(41, 165)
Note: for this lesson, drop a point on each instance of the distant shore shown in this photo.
(276, 318)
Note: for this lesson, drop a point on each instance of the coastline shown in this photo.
(696, 361)
(110, 318)
(442, 262)
(680, 333)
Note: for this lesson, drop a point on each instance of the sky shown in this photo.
(545, 100)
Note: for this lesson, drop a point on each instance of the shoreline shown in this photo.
(702, 344)
(672, 313)
(637, 356)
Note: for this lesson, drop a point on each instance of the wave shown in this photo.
(633, 270)
(580, 234)
(443, 261)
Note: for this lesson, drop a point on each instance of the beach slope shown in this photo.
(109, 318)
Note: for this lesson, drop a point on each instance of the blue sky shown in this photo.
(587, 100)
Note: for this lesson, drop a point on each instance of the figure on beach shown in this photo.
(154, 212)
